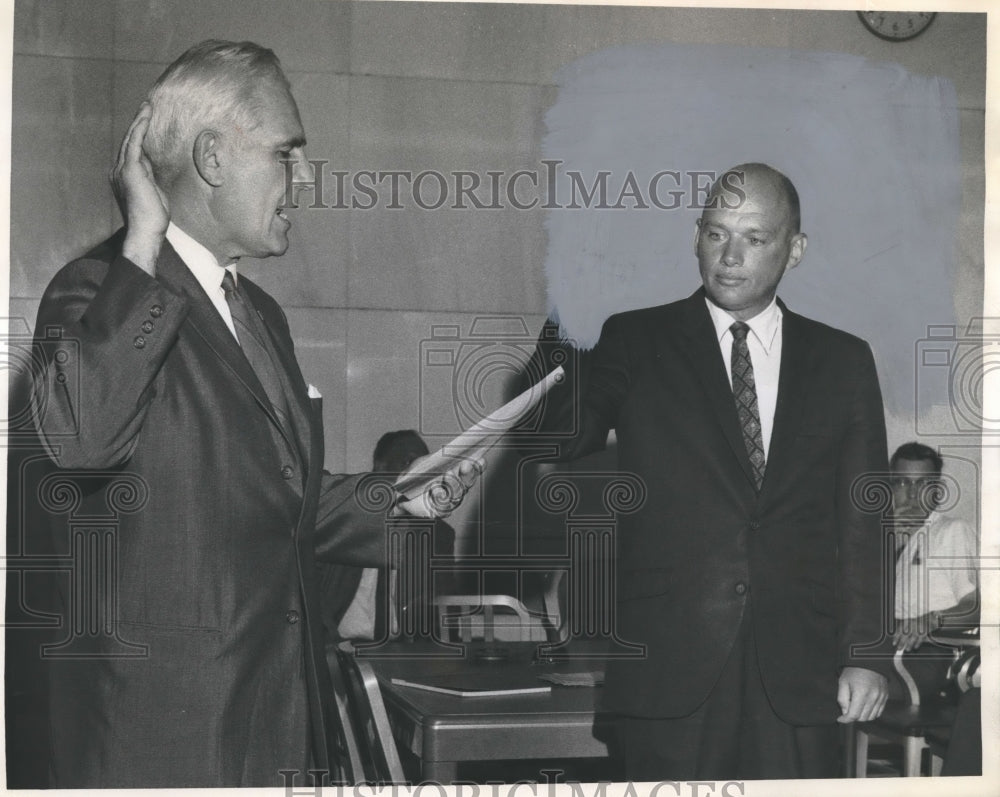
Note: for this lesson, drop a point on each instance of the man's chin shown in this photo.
(278, 247)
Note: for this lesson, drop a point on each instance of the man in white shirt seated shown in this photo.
(936, 578)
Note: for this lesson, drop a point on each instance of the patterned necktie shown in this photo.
(251, 334)
(745, 393)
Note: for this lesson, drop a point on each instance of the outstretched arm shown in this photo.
(911, 633)
(349, 532)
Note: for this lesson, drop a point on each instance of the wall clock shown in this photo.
(896, 26)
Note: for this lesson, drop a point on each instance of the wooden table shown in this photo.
(443, 731)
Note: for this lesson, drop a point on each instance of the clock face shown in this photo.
(896, 26)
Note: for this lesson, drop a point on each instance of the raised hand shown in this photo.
(144, 206)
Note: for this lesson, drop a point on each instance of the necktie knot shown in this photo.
(739, 329)
(228, 282)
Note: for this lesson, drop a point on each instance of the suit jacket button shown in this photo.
(292, 617)
(741, 588)
(156, 311)
(287, 471)
(755, 524)
(139, 342)
(147, 327)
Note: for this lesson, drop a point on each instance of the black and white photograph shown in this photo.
(577, 398)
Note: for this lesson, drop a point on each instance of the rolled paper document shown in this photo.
(474, 442)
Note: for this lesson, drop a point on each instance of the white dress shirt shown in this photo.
(206, 270)
(764, 343)
(937, 567)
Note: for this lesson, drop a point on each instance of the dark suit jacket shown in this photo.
(215, 564)
(810, 559)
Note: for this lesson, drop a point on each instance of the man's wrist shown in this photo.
(143, 249)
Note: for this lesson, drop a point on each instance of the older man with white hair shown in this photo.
(185, 378)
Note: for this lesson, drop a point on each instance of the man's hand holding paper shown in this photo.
(439, 497)
(436, 484)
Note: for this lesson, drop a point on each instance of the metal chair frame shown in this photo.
(475, 605)
(377, 759)
(905, 724)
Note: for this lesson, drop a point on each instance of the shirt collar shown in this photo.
(929, 521)
(198, 259)
(764, 326)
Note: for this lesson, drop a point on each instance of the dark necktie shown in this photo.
(745, 393)
(251, 334)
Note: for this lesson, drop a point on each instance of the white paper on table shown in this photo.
(477, 439)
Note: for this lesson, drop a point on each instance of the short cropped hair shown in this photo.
(393, 448)
(213, 84)
(787, 188)
(917, 452)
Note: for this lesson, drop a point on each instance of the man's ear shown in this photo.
(798, 250)
(697, 234)
(207, 157)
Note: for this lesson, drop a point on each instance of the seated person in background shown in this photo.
(353, 599)
(936, 580)
(936, 585)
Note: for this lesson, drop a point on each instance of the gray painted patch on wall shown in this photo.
(872, 149)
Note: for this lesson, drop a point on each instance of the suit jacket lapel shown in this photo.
(204, 318)
(706, 359)
(796, 363)
(299, 404)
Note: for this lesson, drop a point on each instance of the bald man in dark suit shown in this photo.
(748, 574)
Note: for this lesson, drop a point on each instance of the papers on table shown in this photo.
(595, 678)
(477, 439)
(481, 684)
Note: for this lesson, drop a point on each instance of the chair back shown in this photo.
(965, 670)
(347, 746)
(911, 685)
(379, 759)
(922, 677)
(469, 606)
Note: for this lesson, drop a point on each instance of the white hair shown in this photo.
(212, 85)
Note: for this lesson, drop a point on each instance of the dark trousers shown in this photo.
(965, 749)
(733, 735)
